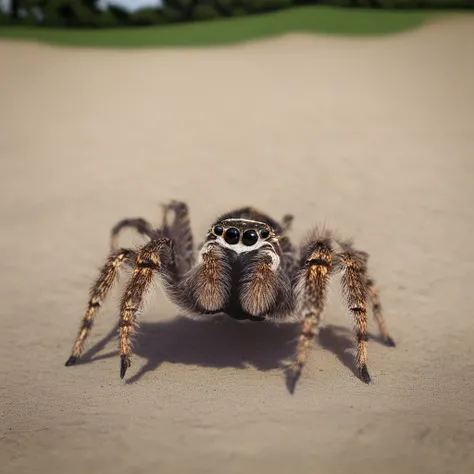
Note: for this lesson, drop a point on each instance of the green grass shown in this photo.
(313, 19)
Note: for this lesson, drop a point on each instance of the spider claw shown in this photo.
(389, 342)
(71, 361)
(364, 374)
(124, 365)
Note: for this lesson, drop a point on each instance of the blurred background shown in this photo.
(356, 115)
(114, 13)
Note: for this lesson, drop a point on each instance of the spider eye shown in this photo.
(232, 236)
(264, 233)
(249, 238)
(218, 230)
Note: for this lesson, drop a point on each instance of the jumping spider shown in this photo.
(246, 268)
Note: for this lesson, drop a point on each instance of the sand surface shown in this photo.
(374, 137)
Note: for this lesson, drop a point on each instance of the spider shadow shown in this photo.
(222, 343)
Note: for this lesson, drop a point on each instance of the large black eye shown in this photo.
(249, 238)
(218, 230)
(232, 235)
(264, 233)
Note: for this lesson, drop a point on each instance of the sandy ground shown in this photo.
(374, 137)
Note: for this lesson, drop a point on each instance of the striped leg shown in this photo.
(372, 293)
(355, 291)
(156, 257)
(374, 298)
(98, 293)
(311, 294)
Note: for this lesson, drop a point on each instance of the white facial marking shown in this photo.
(240, 247)
(249, 221)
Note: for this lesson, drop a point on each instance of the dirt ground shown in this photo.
(373, 137)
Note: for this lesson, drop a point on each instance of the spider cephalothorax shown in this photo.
(247, 271)
(246, 268)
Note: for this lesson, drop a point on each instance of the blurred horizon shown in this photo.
(130, 5)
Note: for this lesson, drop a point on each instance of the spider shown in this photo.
(247, 268)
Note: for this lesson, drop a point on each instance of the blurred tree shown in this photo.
(63, 12)
(119, 14)
(91, 13)
(186, 10)
(147, 17)
(15, 9)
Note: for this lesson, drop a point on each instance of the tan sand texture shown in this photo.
(373, 137)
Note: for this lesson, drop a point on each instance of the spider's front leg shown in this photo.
(98, 293)
(311, 289)
(371, 290)
(154, 258)
(354, 285)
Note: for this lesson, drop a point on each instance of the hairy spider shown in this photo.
(246, 268)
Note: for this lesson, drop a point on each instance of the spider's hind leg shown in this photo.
(374, 298)
(179, 230)
(142, 226)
